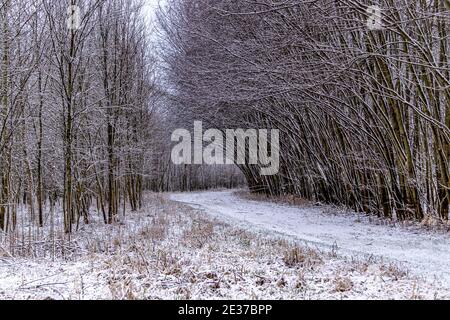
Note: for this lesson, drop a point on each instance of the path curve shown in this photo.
(423, 253)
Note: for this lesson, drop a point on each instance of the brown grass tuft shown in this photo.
(343, 284)
(200, 233)
(297, 256)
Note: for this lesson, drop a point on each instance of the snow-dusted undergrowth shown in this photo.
(425, 252)
(171, 251)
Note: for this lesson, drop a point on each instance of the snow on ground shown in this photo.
(424, 253)
(169, 250)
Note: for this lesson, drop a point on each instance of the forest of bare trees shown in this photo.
(90, 92)
(363, 108)
(224, 149)
(81, 124)
(76, 108)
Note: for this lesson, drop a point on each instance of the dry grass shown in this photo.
(343, 284)
(200, 233)
(171, 251)
(301, 257)
(284, 199)
(435, 223)
(154, 232)
(393, 271)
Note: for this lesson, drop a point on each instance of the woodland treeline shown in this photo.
(79, 122)
(86, 114)
(74, 108)
(364, 113)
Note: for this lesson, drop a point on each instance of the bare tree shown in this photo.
(362, 104)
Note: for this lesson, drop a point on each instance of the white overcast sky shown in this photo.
(150, 7)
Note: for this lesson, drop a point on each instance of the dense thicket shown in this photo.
(364, 114)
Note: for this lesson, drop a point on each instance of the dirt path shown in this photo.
(423, 253)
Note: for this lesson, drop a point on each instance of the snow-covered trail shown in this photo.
(423, 253)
